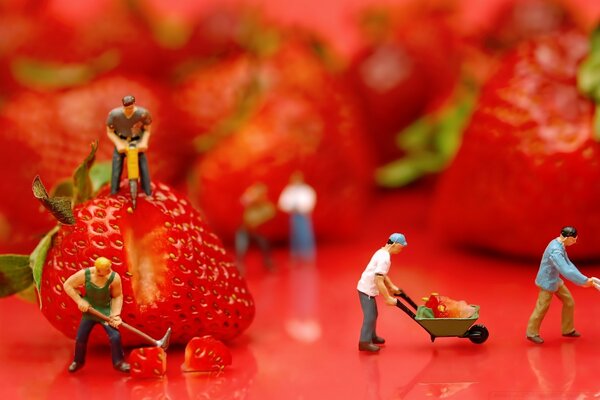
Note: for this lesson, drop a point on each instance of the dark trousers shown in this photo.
(369, 309)
(242, 242)
(83, 333)
(117, 171)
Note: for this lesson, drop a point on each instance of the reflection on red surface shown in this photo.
(273, 361)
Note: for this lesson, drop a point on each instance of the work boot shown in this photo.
(378, 340)
(574, 333)
(122, 367)
(537, 339)
(75, 366)
(368, 346)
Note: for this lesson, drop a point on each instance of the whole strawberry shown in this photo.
(260, 117)
(174, 270)
(528, 164)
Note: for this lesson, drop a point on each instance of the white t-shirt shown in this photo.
(298, 197)
(379, 264)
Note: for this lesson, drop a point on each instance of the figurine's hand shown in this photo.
(595, 282)
(395, 290)
(115, 321)
(121, 147)
(390, 301)
(83, 305)
(142, 147)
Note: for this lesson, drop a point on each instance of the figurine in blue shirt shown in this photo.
(555, 262)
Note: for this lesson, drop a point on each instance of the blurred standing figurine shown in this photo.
(129, 127)
(298, 199)
(104, 293)
(555, 262)
(258, 210)
(374, 281)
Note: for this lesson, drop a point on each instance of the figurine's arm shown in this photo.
(116, 291)
(390, 285)
(70, 286)
(569, 270)
(143, 143)
(383, 290)
(119, 143)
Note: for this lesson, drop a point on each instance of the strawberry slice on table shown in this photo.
(206, 354)
(528, 164)
(174, 270)
(148, 362)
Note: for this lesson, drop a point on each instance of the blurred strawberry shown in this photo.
(528, 162)
(408, 66)
(261, 115)
(49, 133)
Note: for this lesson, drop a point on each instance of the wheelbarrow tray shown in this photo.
(445, 327)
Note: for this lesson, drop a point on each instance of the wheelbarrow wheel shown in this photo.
(478, 334)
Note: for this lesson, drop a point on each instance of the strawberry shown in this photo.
(262, 118)
(206, 354)
(174, 270)
(148, 362)
(408, 66)
(48, 133)
(528, 162)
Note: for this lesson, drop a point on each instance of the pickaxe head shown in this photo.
(164, 342)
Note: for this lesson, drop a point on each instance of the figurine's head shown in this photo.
(128, 101)
(568, 235)
(103, 266)
(396, 243)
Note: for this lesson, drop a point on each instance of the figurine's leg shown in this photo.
(265, 249)
(83, 333)
(539, 312)
(369, 309)
(241, 247)
(117, 170)
(116, 348)
(568, 309)
(302, 241)
(144, 173)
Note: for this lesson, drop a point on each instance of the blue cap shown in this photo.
(398, 238)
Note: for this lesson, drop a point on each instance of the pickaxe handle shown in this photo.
(130, 328)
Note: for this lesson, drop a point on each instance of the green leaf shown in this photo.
(588, 77)
(29, 295)
(60, 207)
(37, 259)
(15, 274)
(81, 177)
(62, 189)
(100, 174)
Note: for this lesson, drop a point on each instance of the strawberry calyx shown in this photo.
(588, 78)
(19, 273)
(429, 143)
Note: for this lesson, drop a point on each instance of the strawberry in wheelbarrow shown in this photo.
(442, 316)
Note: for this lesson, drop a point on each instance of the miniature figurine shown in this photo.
(374, 281)
(555, 262)
(103, 293)
(129, 128)
(258, 210)
(298, 199)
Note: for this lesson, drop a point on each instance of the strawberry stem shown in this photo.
(588, 77)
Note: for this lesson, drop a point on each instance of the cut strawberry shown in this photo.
(206, 354)
(148, 362)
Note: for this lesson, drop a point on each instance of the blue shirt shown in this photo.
(555, 262)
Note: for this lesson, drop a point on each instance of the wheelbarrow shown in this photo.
(444, 327)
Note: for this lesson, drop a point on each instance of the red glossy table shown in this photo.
(303, 343)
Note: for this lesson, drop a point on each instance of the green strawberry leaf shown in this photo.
(29, 295)
(15, 274)
(59, 207)
(82, 182)
(63, 189)
(100, 175)
(588, 77)
(37, 259)
(429, 144)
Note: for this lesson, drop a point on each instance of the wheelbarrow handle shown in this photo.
(406, 298)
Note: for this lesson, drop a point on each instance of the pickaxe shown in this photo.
(163, 343)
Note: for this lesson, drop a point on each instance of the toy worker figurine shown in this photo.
(102, 292)
(298, 199)
(126, 126)
(555, 262)
(258, 210)
(374, 281)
